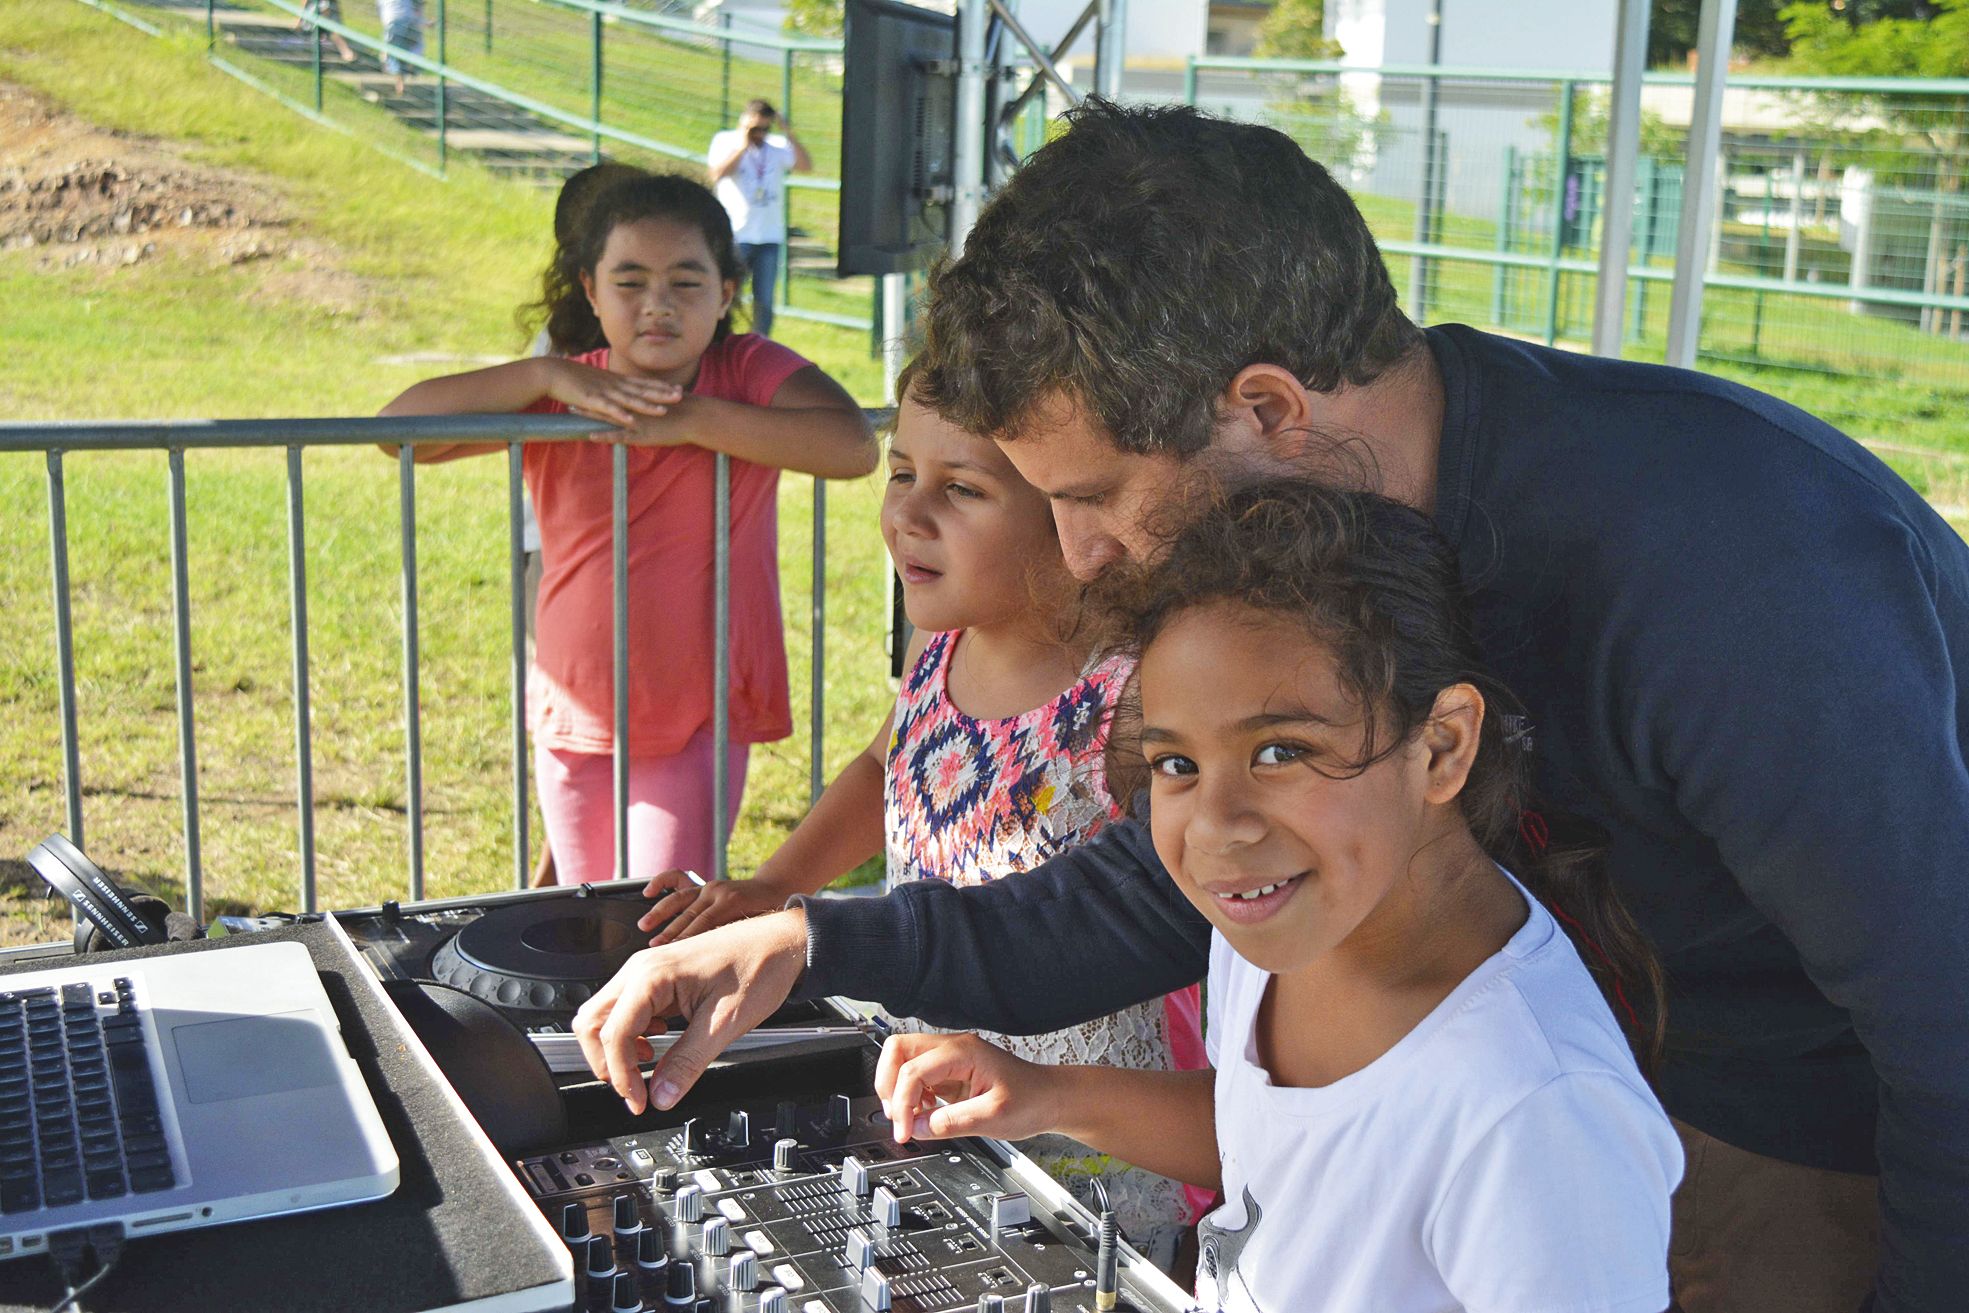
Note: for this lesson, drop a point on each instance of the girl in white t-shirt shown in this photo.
(1421, 1101)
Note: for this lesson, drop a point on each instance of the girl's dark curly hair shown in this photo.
(562, 310)
(1373, 583)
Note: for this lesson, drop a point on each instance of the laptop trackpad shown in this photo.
(244, 1057)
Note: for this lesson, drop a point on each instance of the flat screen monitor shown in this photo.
(898, 134)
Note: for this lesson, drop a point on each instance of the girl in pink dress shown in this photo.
(658, 269)
(991, 761)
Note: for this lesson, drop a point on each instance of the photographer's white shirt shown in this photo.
(1505, 1156)
(754, 192)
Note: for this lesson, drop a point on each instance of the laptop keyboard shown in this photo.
(78, 1107)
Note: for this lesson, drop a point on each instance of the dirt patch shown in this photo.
(73, 194)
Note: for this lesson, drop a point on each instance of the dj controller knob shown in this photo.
(773, 1301)
(627, 1299)
(840, 1113)
(1039, 1299)
(693, 1139)
(860, 1250)
(786, 1118)
(664, 1180)
(717, 1238)
(601, 1258)
(875, 1291)
(628, 1220)
(744, 1272)
(689, 1203)
(680, 1287)
(738, 1131)
(574, 1226)
(991, 1304)
(854, 1176)
(887, 1209)
(650, 1250)
(783, 1151)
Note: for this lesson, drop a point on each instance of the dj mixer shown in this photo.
(775, 1206)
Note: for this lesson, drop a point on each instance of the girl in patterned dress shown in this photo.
(990, 763)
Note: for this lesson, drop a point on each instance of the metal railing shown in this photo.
(57, 440)
(563, 81)
(1838, 242)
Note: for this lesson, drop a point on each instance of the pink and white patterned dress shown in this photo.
(967, 800)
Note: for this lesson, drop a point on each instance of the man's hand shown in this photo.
(690, 907)
(934, 1087)
(722, 984)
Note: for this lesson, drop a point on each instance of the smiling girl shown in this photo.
(1422, 1102)
(991, 761)
(658, 269)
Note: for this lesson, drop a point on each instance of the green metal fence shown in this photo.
(1837, 266)
(540, 88)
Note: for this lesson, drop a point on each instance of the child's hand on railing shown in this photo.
(599, 394)
(935, 1087)
(691, 906)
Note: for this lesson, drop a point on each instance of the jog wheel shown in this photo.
(547, 957)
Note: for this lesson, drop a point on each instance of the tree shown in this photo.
(817, 18)
(1296, 29)
(1760, 30)
(1927, 135)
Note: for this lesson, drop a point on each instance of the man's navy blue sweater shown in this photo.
(1736, 632)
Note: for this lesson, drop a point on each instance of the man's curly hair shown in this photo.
(1137, 263)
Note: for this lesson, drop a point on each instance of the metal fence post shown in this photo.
(1562, 165)
(725, 85)
(1189, 81)
(211, 39)
(317, 68)
(442, 65)
(413, 734)
(297, 583)
(1506, 212)
(786, 116)
(187, 736)
(819, 623)
(64, 643)
(595, 85)
(516, 562)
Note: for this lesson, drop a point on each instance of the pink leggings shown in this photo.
(669, 809)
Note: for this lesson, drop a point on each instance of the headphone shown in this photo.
(106, 916)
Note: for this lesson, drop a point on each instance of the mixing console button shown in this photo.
(758, 1242)
(689, 1203)
(626, 1299)
(875, 1291)
(854, 1176)
(601, 1258)
(1009, 1210)
(744, 1271)
(738, 1131)
(991, 1304)
(628, 1221)
(783, 1151)
(1039, 1299)
(650, 1255)
(773, 1301)
(733, 1210)
(840, 1113)
(574, 1226)
(693, 1143)
(680, 1287)
(861, 1250)
(717, 1237)
(886, 1208)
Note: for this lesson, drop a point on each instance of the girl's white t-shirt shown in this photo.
(1505, 1156)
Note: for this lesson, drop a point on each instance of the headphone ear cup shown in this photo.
(157, 914)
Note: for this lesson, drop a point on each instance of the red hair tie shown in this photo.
(1534, 832)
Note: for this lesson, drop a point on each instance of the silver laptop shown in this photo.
(176, 1092)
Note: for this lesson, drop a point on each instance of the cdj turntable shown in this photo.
(537, 955)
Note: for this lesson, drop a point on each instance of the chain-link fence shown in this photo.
(1837, 254)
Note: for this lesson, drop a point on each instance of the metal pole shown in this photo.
(1189, 81)
(968, 164)
(786, 116)
(297, 587)
(317, 68)
(818, 621)
(1561, 166)
(516, 568)
(442, 64)
(64, 644)
(1717, 26)
(721, 692)
(211, 39)
(181, 633)
(595, 86)
(619, 519)
(1630, 54)
(1506, 209)
(1425, 227)
(488, 26)
(413, 733)
(1794, 234)
(725, 83)
(1110, 48)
